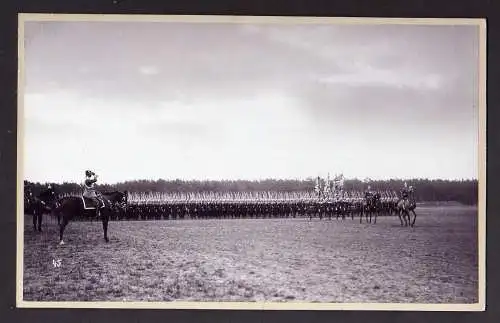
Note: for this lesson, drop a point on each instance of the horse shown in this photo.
(371, 206)
(69, 207)
(39, 205)
(404, 207)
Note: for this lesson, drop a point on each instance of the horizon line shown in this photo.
(332, 177)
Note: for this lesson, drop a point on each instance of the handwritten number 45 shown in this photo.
(56, 263)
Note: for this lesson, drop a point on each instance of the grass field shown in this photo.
(259, 259)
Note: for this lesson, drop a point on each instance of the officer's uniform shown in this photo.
(89, 190)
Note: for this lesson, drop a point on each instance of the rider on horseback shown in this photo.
(89, 190)
(48, 195)
(405, 191)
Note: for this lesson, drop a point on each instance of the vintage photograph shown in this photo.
(251, 162)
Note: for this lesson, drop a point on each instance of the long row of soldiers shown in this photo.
(155, 206)
(264, 209)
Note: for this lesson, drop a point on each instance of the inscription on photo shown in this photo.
(56, 263)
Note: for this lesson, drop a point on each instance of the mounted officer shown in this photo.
(48, 197)
(89, 190)
(405, 191)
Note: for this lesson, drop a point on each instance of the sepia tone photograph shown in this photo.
(251, 162)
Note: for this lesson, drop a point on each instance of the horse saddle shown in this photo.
(90, 204)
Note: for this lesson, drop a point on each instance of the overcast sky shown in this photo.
(137, 100)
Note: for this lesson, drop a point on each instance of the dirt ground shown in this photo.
(258, 259)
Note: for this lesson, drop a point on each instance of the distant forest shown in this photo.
(462, 191)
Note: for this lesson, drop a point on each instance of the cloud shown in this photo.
(149, 70)
(368, 75)
(231, 64)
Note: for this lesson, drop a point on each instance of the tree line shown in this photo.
(426, 190)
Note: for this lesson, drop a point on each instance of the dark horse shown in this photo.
(371, 207)
(39, 205)
(74, 206)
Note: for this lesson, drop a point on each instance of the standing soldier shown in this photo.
(28, 196)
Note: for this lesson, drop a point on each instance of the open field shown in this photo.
(259, 259)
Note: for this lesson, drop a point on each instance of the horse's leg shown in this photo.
(40, 217)
(375, 217)
(414, 217)
(400, 215)
(62, 226)
(403, 216)
(105, 219)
